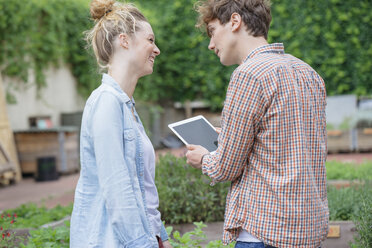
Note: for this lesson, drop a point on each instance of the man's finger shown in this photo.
(191, 147)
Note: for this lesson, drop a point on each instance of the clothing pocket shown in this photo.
(129, 136)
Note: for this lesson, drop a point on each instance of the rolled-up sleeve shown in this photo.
(114, 175)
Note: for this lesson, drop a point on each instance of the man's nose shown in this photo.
(211, 45)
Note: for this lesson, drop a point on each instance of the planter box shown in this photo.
(61, 143)
(339, 141)
(364, 139)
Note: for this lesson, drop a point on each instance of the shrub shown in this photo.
(363, 220)
(345, 203)
(349, 171)
(185, 194)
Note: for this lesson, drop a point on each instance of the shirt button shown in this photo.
(141, 174)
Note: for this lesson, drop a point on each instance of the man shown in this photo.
(272, 145)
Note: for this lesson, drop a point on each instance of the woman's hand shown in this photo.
(167, 244)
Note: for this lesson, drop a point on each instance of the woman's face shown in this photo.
(145, 49)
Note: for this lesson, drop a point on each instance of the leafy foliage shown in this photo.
(349, 171)
(185, 194)
(345, 203)
(30, 215)
(332, 36)
(363, 221)
(185, 69)
(58, 237)
(37, 34)
(193, 239)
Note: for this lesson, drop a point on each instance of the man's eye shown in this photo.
(151, 40)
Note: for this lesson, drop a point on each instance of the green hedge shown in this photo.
(333, 36)
(185, 194)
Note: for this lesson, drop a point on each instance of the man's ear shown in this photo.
(124, 40)
(236, 21)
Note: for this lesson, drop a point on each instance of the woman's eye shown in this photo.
(151, 40)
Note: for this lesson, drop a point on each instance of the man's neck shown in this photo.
(248, 45)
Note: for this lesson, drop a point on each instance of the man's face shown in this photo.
(221, 41)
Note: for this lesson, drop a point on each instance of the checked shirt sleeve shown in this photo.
(244, 107)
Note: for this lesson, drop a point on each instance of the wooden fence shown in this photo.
(9, 165)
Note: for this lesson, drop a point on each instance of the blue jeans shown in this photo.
(240, 244)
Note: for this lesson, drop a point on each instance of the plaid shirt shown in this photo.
(273, 148)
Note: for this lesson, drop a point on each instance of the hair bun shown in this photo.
(99, 8)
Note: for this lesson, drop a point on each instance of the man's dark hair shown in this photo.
(255, 14)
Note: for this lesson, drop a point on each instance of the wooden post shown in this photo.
(7, 140)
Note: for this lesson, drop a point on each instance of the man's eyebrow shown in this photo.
(210, 30)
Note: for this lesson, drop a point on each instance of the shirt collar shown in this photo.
(270, 48)
(107, 79)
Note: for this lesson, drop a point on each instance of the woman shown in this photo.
(116, 199)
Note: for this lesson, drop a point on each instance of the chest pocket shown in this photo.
(129, 136)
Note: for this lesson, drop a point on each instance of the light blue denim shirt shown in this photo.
(110, 204)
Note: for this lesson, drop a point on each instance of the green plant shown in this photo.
(349, 171)
(7, 237)
(193, 239)
(345, 203)
(363, 221)
(30, 215)
(185, 194)
(58, 237)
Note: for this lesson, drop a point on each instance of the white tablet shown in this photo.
(197, 131)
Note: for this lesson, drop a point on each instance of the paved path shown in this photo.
(61, 191)
(50, 193)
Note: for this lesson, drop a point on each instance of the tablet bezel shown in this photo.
(178, 123)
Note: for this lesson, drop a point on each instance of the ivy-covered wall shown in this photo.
(333, 36)
(37, 33)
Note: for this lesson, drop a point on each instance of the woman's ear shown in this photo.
(236, 21)
(124, 40)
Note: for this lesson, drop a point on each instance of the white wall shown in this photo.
(59, 96)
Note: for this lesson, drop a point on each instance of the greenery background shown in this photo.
(333, 36)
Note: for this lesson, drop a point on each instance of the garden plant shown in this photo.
(186, 197)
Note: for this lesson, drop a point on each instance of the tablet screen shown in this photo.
(197, 131)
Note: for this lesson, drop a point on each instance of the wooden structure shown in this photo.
(339, 141)
(364, 139)
(9, 166)
(59, 142)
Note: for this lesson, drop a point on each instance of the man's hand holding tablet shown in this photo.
(199, 136)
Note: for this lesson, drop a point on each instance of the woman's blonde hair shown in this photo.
(111, 19)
